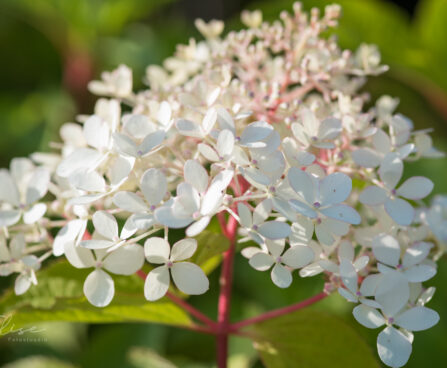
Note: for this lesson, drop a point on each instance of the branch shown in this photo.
(278, 312)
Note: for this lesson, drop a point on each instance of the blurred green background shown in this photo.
(52, 48)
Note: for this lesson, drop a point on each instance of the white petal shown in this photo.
(373, 196)
(183, 249)
(150, 142)
(390, 170)
(382, 142)
(274, 230)
(189, 278)
(335, 188)
(119, 170)
(342, 212)
(255, 132)
(386, 249)
(79, 257)
(208, 152)
(97, 244)
(261, 261)
(8, 189)
(79, 159)
(22, 284)
(302, 184)
(369, 285)
(366, 157)
(38, 185)
(347, 295)
(330, 129)
(209, 120)
(244, 215)
(164, 113)
(138, 126)
(281, 276)
(196, 175)
(417, 319)
(35, 213)
(105, 224)
(156, 250)
(188, 128)
(324, 233)
(129, 201)
(125, 144)
(166, 217)
(368, 317)
(303, 208)
(99, 288)
(224, 119)
(393, 347)
(67, 234)
(225, 143)
(126, 260)
(416, 253)
(154, 186)
(348, 275)
(84, 179)
(302, 231)
(392, 292)
(9, 217)
(156, 284)
(197, 227)
(400, 211)
(346, 250)
(96, 132)
(415, 188)
(298, 256)
(420, 273)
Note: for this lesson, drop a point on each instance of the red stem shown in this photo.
(186, 306)
(223, 309)
(278, 312)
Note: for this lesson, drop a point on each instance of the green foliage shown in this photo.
(210, 247)
(59, 297)
(310, 339)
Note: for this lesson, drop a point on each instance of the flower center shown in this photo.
(317, 204)
(169, 264)
(255, 227)
(278, 259)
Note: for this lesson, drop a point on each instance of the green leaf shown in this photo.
(59, 297)
(148, 358)
(310, 339)
(39, 362)
(211, 245)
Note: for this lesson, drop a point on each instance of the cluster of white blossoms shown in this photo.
(266, 124)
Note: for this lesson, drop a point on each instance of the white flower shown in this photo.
(116, 83)
(394, 346)
(143, 139)
(106, 233)
(295, 257)
(436, 218)
(390, 173)
(188, 277)
(311, 132)
(320, 199)
(14, 259)
(154, 186)
(197, 200)
(387, 251)
(256, 223)
(252, 19)
(210, 30)
(383, 145)
(99, 287)
(20, 190)
(424, 146)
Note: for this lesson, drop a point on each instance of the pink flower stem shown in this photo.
(235, 327)
(224, 303)
(187, 307)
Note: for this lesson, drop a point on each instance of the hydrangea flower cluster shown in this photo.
(267, 124)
